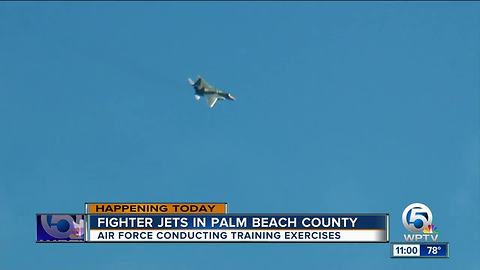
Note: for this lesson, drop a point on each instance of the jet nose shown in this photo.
(231, 97)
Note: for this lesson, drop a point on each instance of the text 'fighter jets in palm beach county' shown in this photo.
(211, 94)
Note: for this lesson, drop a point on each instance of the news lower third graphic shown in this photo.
(205, 222)
(421, 242)
(212, 223)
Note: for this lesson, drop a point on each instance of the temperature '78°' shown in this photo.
(433, 250)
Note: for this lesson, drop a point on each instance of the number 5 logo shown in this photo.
(416, 216)
(59, 226)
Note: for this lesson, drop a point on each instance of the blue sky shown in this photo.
(342, 107)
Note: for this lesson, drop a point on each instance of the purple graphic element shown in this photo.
(60, 228)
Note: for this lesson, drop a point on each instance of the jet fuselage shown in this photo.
(202, 88)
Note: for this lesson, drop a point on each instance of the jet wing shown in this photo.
(212, 99)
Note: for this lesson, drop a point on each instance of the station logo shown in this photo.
(60, 228)
(417, 218)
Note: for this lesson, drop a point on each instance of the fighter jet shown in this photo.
(211, 94)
